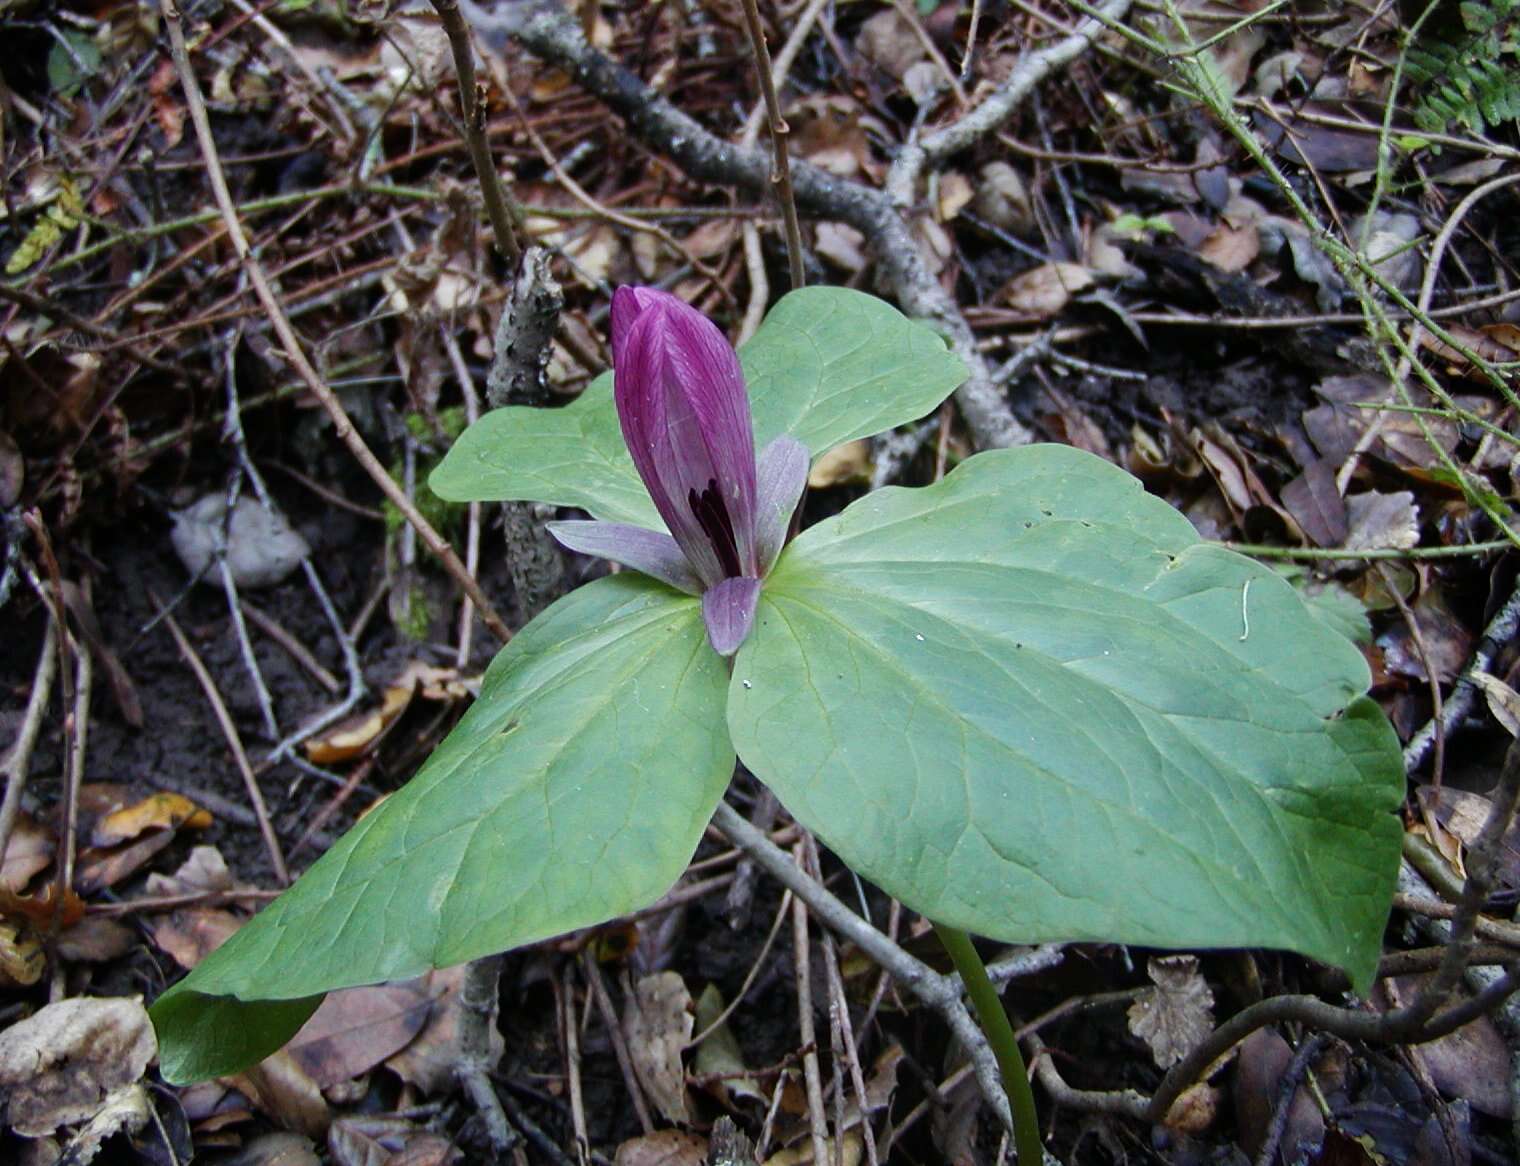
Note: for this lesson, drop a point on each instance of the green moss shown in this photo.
(416, 617)
(445, 517)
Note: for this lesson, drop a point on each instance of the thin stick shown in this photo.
(801, 958)
(291, 343)
(1309, 554)
(18, 757)
(940, 992)
(759, 283)
(75, 769)
(472, 532)
(840, 1005)
(229, 731)
(296, 650)
(573, 1064)
(472, 102)
(615, 1032)
(1499, 632)
(718, 1021)
(802, 28)
(781, 171)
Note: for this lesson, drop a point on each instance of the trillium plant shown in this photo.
(1026, 700)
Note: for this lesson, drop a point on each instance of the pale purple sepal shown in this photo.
(685, 417)
(729, 612)
(780, 478)
(648, 551)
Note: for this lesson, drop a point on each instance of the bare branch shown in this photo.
(548, 32)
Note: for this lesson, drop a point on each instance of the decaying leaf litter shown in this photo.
(1132, 280)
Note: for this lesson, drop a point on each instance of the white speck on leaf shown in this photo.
(746, 684)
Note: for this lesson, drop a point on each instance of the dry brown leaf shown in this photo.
(281, 1149)
(719, 1053)
(426, 1149)
(160, 811)
(889, 41)
(1046, 289)
(353, 1030)
(386, 1141)
(1376, 521)
(844, 465)
(1263, 1060)
(125, 1110)
(1462, 815)
(99, 798)
(850, 1152)
(279, 1087)
(1195, 1111)
(1494, 343)
(60, 1065)
(1231, 248)
(955, 193)
(663, 1148)
(1316, 505)
(657, 1023)
(1230, 473)
(204, 870)
(1445, 638)
(106, 867)
(22, 959)
(1306, 143)
(1002, 199)
(39, 911)
(190, 934)
(1471, 1064)
(1175, 1016)
(934, 244)
(356, 735)
(712, 238)
(1071, 425)
(596, 251)
(1503, 701)
(841, 245)
(96, 939)
(830, 131)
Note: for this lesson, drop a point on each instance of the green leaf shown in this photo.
(827, 366)
(1029, 703)
(574, 790)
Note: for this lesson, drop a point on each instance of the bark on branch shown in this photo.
(553, 36)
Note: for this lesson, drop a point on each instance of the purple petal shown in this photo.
(648, 551)
(729, 612)
(627, 303)
(685, 417)
(780, 478)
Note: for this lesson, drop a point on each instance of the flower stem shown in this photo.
(999, 1033)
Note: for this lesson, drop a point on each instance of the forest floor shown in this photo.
(1124, 269)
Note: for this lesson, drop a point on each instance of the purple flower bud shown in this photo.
(682, 406)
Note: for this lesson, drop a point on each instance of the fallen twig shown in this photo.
(550, 33)
(294, 353)
(234, 741)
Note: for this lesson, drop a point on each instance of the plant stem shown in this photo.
(781, 172)
(999, 1032)
(503, 215)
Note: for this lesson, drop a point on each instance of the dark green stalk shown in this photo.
(1005, 1046)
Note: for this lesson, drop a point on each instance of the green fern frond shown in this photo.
(1468, 74)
